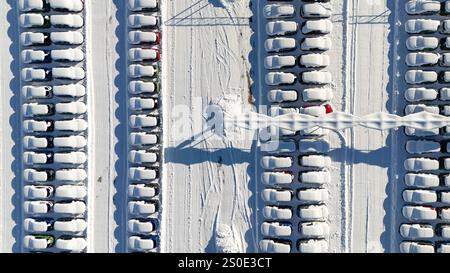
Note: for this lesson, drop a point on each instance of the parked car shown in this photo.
(34, 143)
(276, 162)
(421, 164)
(271, 246)
(422, 59)
(143, 87)
(30, 56)
(274, 11)
(278, 147)
(277, 178)
(416, 231)
(69, 90)
(67, 38)
(142, 207)
(279, 62)
(32, 158)
(277, 213)
(74, 192)
(140, 226)
(316, 77)
(315, 161)
(37, 207)
(34, 109)
(68, 73)
(420, 77)
(316, 10)
(422, 43)
(313, 212)
(419, 26)
(142, 21)
(277, 95)
(142, 139)
(38, 242)
(276, 196)
(37, 192)
(279, 78)
(72, 125)
(416, 247)
(37, 225)
(142, 121)
(34, 38)
(71, 175)
(143, 5)
(32, 126)
(70, 207)
(137, 37)
(315, 177)
(422, 146)
(142, 157)
(317, 94)
(313, 195)
(142, 191)
(314, 229)
(70, 225)
(34, 20)
(281, 28)
(67, 55)
(417, 108)
(67, 21)
(66, 5)
(142, 173)
(314, 60)
(71, 244)
(418, 94)
(72, 108)
(419, 196)
(138, 243)
(38, 175)
(313, 246)
(419, 213)
(140, 71)
(322, 26)
(144, 54)
(421, 180)
(280, 44)
(316, 43)
(35, 74)
(276, 229)
(74, 158)
(33, 5)
(422, 7)
(312, 146)
(142, 104)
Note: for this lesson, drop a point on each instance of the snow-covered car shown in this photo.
(142, 207)
(71, 244)
(67, 55)
(31, 158)
(313, 246)
(144, 54)
(277, 178)
(68, 73)
(36, 109)
(67, 38)
(419, 196)
(142, 139)
(422, 7)
(315, 177)
(142, 191)
(316, 10)
(417, 94)
(142, 21)
(142, 87)
(35, 74)
(444, 214)
(280, 44)
(422, 59)
(422, 146)
(139, 71)
(316, 43)
(276, 162)
(73, 125)
(416, 108)
(142, 173)
(72, 108)
(143, 5)
(314, 60)
(37, 192)
(70, 225)
(32, 20)
(278, 11)
(29, 56)
(142, 157)
(314, 229)
(74, 158)
(444, 197)
(445, 27)
(420, 76)
(445, 59)
(313, 195)
(71, 175)
(278, 62)
(136, 37)
(66, 21)
(271, 246)
(70, 207)
(138, 243)
(279, 78)
(31, 126)
(277, 213)
(32, 5)
(278, 147)
(142, 121)
(275, 196)
(416, 247)
(417, 26)
(275, 229)
(32, 142)
(37, 207)
(444, 77)
(315, 161)
(316, 110)
(69, 90)
(323, 26)
(421, 180)
(421, 164)
(416, 231)
(41, 175)
(281, 28)
(421, 133)
(316, 77)
(443, 231)
(278, 95)
(443, 248)
(142, 104)
(446, 8)
(34, 38)
(419, 213)
(66, 5)
(74, 142)
(140, 226)
(38, 242)
(35, 225)
(71, 192)
(422, 43)
(317, 94)
(313, 212)
(312, 146)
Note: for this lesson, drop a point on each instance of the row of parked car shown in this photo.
(144, 151)
(426, 185)
(54, 125)
(295, 166)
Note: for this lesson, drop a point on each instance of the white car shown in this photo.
(69, 73)
(142, 157)
(142, 173)
(313, 212)
(37, 192)
(317, 94)
(74, 244)
(32, 5)
(38, 242)
(422, 146)
(277, 213)
(37, 207)
(314, 229)
(140, 21)
(136, 37)
(422, 43)
(443, 231)
(316, 10)
(316, 43)
(70, 225)
(315, 161)
(138, 71)
(281, 28)
(140, 227)
(70, 207)
(275, 229)
(443, 248)
(142, 191)
(142, 207)
(73, 125)
(315, 177)
(416, 247)
(313, 246)
(34, 38)
(313, 146)
(142, 121)
(34, 56)
(71, 175)
(141, 87)
(280, 44)
(31, 158)
(67, 38)
(278, 62)
(32, 175)
(278, 11)
(417, 94)
(445, 214)
(32, 142)
(316, 77)
(421, 164)
(445, 27)
(30, 20)
(313, 195)
(69, 90)
(416, 108)
(420, 76)
(277, 178)
(279, 78)
(278, 95)
(74, 158)
(421, 133)
(445, 197)
(143, 54)
(323, 26)
(419, 196)
(314, 60)
(445, 59)
(278, 147)
(271, 246)
(143, 5)
(445, 76)
(74, 142)
(141, 244)
(142, 139)
(276, 162)
(37, 225)
(422, 59)
(419, 213)
(66, 5)
(31, 126)
(140, 104)
(73, 108)
(71, 192)
(421, 180)
(275, 196)
(416, 7)
(417, 26)
(67, 55)
(67, 21)
(416, 231)
(35, 74)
